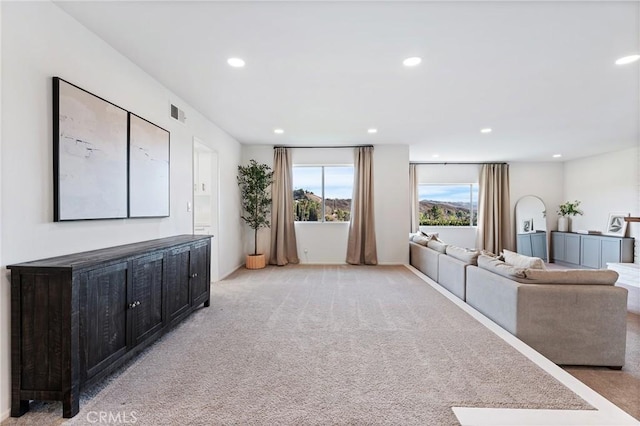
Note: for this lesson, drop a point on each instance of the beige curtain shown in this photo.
(361, 247)
(415, 206)
(284, 248)
(494, 220)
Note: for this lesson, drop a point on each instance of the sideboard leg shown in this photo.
(19, 407)
(207, 303)
(70, 404)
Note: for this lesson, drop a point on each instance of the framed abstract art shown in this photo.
(90, 155)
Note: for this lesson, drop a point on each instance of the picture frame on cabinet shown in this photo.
(527, 226)
(89, 155)
(616, 225)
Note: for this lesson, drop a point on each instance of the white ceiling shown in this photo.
(540, 74)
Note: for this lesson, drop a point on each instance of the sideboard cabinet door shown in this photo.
(557, 246)
(199, 273)
(145, 303)
(178, 295)
(103, 317)
(611, 252)
(539, 245)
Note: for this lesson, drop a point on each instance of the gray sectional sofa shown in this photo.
(572, 317)
(445, 264)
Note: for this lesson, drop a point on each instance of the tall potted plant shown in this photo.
(254, 181)
(565, 211)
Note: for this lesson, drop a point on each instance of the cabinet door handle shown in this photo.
(203, 190)
(134, 304)
(194, 275)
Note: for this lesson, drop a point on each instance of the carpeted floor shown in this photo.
(320, 345)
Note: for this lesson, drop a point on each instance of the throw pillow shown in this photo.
(468, 256)
(438, 246)
(571, 276)
(420, 239)
(432, 235)
(490, 254)
(499, 267)
(520, 261)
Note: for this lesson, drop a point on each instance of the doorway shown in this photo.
(205, 198)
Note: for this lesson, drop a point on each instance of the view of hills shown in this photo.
(308, 206)
(446, 213)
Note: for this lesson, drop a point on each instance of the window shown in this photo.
(448, 204)
(318, 189)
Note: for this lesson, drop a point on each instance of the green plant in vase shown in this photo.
(565, 211)
(254, 181)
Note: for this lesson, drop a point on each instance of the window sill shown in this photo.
(320, 223)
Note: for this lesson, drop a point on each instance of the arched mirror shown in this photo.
(531, 227)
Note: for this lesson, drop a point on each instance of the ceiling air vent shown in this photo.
(178, 114)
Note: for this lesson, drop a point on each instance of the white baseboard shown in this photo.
(5, 415)
(232, 271)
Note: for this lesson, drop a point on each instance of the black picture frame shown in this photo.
(149, 169)
(90, 149)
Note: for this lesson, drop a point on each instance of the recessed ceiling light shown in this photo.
(372, 130)
(436, 155)
(627, 59)
(486, 130)
(236, 62)
(412, 62)
(278, 131)
(557, 155)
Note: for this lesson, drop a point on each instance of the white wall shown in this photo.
(41, 41)
(327, 242)
(391, 165)
(605, 183)
(5, 291)
(542, 179)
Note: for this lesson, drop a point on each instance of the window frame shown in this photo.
(324, 199)
(471, 200)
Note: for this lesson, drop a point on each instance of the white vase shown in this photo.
(563, 224)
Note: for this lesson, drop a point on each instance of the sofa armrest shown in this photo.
(493, 295)
(424, 259)
(569, 324)
(452, 275)
(574, 324)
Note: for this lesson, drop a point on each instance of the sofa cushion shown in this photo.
(499, 267)
(438, 246)
(432, 235)
(570, 276)
(521, 261)
(468, 256)
(419, 239)
(490, 254)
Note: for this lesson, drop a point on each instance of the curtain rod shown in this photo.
(453, 162)
(322, 147)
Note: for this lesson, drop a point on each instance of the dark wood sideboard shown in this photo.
(76, 318)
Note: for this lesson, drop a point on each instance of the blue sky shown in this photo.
(338, 180)
(456, 193)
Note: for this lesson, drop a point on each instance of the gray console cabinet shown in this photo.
(533, 244)
(590, 251)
